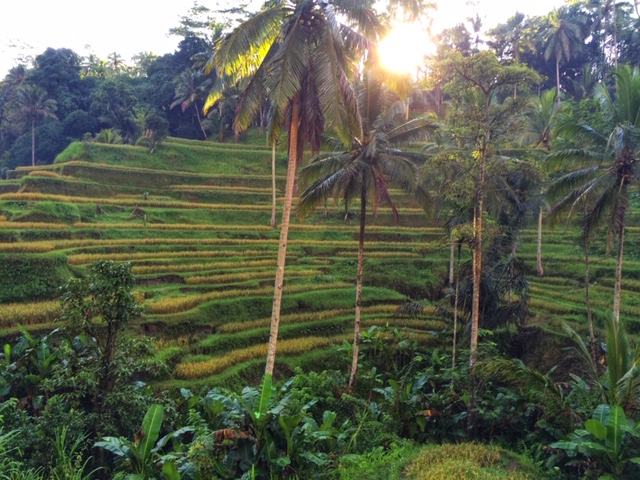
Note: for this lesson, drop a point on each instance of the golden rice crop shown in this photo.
(172, 226)
(80, 163)
(199, 267)
(28, 247)
(235, 327)
(417, 324)
(47, 246)
(293, 346)
(28, 313)
(44, 173)
(383, 254)
(181, 341)
(32, 225)
(26, 196)
(214, 188)
(246, 276)
(182, 304)
(85, 258)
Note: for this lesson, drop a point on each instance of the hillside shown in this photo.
(193, 218)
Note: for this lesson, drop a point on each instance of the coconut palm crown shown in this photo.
(606, 161)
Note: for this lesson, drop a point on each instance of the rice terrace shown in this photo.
(269, 255)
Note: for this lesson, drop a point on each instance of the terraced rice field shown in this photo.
(195, 227)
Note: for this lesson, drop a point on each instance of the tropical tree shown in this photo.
(299, 56)
(479, 124)
(33, 103)
(115, 63)
(606, 155)
(191, 87)
(367, 170)
(539, 122)
(564, 38)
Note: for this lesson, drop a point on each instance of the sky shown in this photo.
(128, 27)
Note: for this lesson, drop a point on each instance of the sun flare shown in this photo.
(404, 48)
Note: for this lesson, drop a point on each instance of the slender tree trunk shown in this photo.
(539, 269)
(284, 234)
(587, 297)
(356, 329)
(204, 134)
(33, 142)
(477, 281)
(221, 127)
(614, 14)
(452, 259)
(477, 263)
(558, 79)
(618, 285)
(273, 185)
(455, 316)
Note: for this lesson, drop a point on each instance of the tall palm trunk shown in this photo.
(356, 329)
(617, 290)
(452, 259)
(618, 285)
(204, 134)
(477, 259)
(273, 185)
(455, 316)
(539, 269)
(587, 297)
(558, 79)
(284, 234)
(33, 142)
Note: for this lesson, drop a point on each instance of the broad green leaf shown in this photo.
(596, 428)
(601, 413)
(151, 430)
(564, 445)
(615, 429)
(170, 471)
(319, 459)
(265, 396)
(117, 446)
(588, 448)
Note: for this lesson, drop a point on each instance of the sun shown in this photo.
(404, 48)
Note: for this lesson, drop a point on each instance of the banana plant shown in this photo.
(144, 452)
(605, 440)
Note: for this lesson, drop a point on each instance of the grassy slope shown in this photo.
(193, 219)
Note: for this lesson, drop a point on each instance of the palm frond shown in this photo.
(420, 128)
(515, 371)
(287, 68)
(244, 48)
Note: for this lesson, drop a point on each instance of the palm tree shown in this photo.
(607, 156)
(564, 37)
(191, 86)
(298, 56)
(33, 103)
(539, 123)
(366, 171)
(115, 63)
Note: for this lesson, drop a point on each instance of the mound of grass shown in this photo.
(467, 461)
